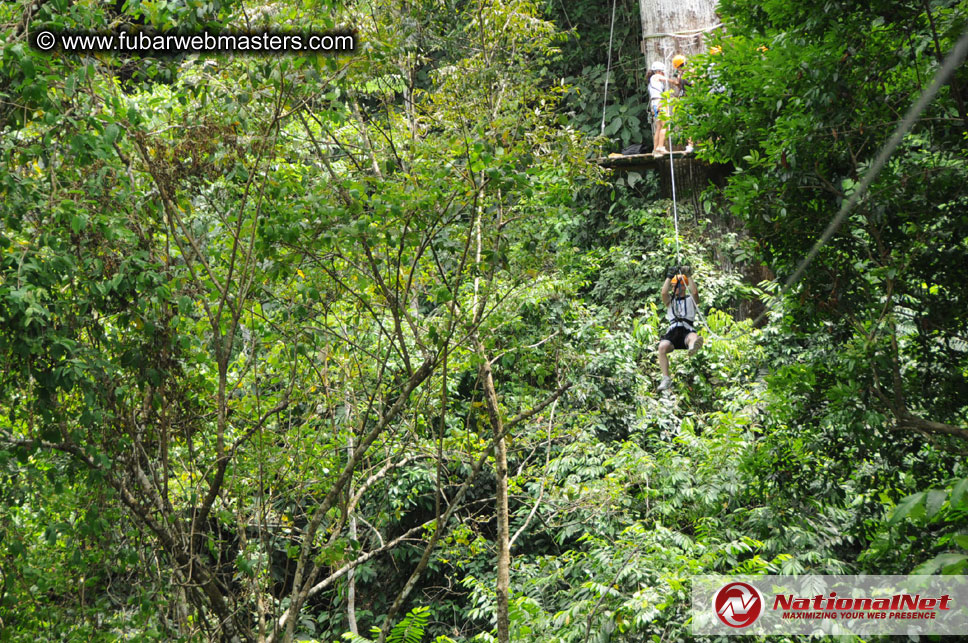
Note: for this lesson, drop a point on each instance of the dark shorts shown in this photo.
(677, 335)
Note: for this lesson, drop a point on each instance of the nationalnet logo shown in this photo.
(899, 606)
(738, 604)
(837, 605)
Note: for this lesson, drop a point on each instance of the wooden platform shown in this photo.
(640, 161)
(693, 175)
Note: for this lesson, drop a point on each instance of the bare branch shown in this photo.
(909, 421)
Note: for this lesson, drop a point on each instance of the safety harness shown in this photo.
(679, 307)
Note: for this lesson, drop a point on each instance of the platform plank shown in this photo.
(633, 161)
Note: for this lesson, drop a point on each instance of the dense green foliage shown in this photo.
(800, 101)
(246, 305)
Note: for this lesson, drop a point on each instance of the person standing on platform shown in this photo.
(658, 107)
(679, 65)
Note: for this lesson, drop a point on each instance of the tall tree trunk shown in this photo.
(351, 575)
(501, 502)
(671, 27)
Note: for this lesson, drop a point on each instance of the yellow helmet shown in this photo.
(678, 61)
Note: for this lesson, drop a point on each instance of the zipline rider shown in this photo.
(681, 314)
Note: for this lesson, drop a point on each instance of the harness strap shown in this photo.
(677, 318)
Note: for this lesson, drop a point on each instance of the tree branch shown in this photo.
(909, 421)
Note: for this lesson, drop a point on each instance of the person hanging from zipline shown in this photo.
(681, 307)
(658, 106)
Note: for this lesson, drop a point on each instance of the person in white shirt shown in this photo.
(681, 314)
(658, 84)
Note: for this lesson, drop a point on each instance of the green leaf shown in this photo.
(246, 565)
(411, 628)
(948, 564)
(959, 495)
(442, 295)
(78, 222)
(111, 133)
(614, 126)
(934, 501)
(909, 505)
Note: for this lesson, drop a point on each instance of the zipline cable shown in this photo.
(675, 218)
(608, 68)
(672, 175)
(675, 209)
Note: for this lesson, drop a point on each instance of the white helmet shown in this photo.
(657, 66)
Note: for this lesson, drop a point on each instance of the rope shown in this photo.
(608, 69)
(682, 34)
(675, 209)
(675, 218)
